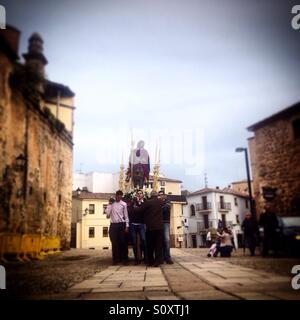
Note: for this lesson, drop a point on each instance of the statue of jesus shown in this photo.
(139, 166)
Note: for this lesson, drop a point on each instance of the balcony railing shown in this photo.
(202, 226)
(203, 206)
(224, 206)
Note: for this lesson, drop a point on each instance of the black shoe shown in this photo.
(156, 265)
(169, 262)
(115, 263)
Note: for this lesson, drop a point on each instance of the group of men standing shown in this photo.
(146, 219)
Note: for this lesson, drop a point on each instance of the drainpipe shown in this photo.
(26, 154)
(24, 215)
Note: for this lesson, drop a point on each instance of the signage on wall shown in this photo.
(269, 193)
(2, 17)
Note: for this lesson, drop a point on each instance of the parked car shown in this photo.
(288, 235)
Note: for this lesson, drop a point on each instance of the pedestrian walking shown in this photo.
(119, 224)
(250, 229)
(220, 224)
(208, 239)
(268, 220)
(232, 239)
(218, 241)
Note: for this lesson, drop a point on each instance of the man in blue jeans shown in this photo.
(137, 227)
(166, 209)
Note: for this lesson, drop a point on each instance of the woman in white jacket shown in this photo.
(226, 243)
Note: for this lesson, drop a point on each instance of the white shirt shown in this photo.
(208, 236)
(143, 158)
(226, 239)
(117, 212)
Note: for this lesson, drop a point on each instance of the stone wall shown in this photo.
(241, 186)
(38, 197)
(275, 158)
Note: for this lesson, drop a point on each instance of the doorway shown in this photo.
(206, 221)
(194, 241)
(224, 220)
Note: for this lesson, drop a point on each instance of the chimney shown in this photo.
(35, 60)
(11, 36)
(217, 187)
(35, 55)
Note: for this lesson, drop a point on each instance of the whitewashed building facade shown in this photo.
(94, 181)
(206, 207)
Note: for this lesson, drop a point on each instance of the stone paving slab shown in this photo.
(274, 280)
(257, 288)
(128, 284)
(121, 289)
(157, 288)
(255, 296)
(74, 290)
(235, 274)
(158, 293)
(114, 285)
(55, 296)
(160, 297)
(87, 284)
(206, 295)
(123, 280)
(113, 296)
(284, 295)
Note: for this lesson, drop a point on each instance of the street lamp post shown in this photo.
(248, 179)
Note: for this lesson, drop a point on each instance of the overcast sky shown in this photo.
(188, 74)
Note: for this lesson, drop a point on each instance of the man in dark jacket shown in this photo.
(268, 220)
(250, 228)
(166, 209)
(153, 219)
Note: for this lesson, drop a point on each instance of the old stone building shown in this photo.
(275, 161)
(35, 143)
(241, 186)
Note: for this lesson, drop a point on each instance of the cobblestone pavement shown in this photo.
(193, 277)
(51, 277)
